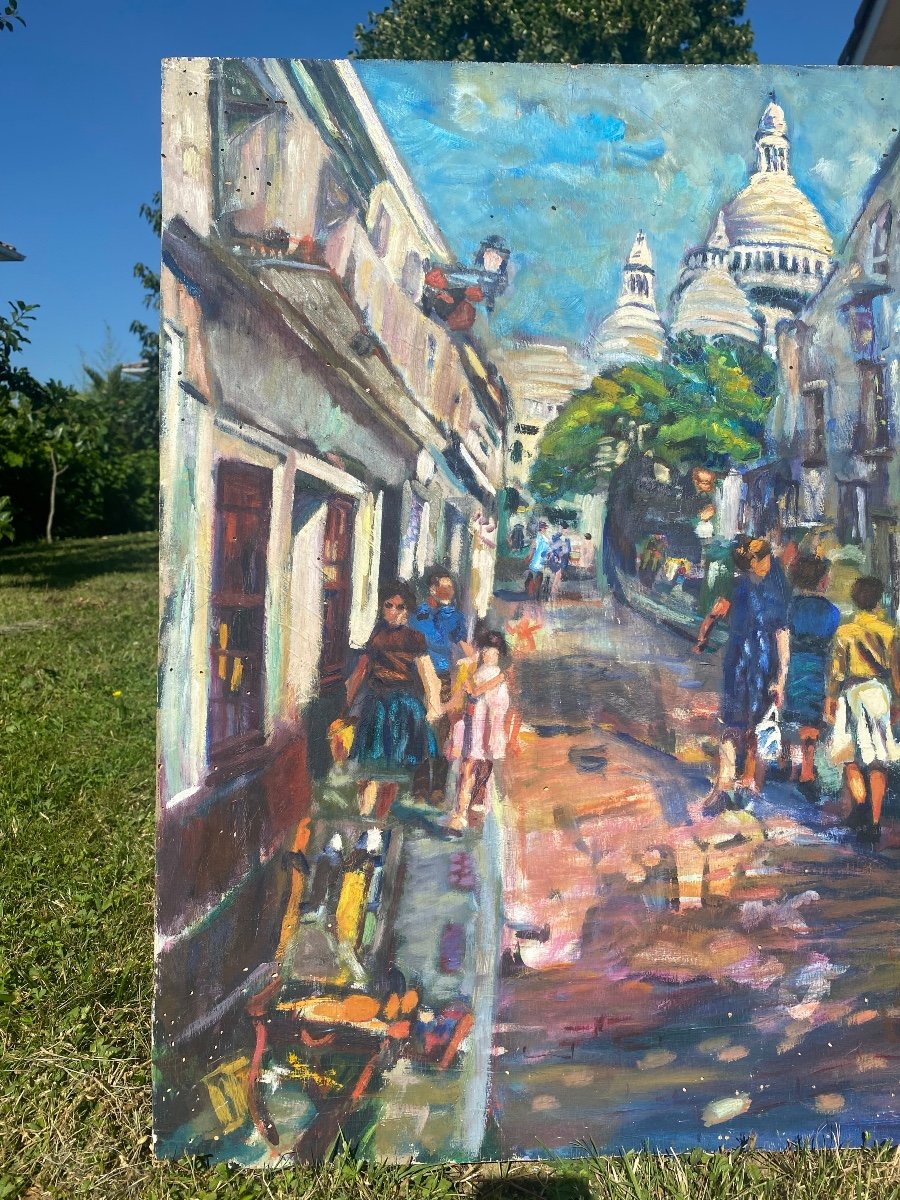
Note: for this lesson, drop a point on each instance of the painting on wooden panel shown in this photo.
(529, 670)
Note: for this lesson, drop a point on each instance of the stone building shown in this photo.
(541, 378)
(771, 239)
(320, 435)
(840, 370)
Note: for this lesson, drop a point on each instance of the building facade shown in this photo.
(321, 435)
(840, 378)
(541, 378)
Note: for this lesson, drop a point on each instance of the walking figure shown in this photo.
(650, 560)
(534, 576)
(392, 736)
(812, 622)
(557, 561)
(479, 737)
(863, 696)
(444, 629)
(754, 673)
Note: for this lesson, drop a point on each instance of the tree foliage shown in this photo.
(147, 335)
(707, 406)
(80, 461)
(73, 461)
(570, 31)
(9, 15)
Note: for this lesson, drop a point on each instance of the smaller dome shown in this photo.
(631, 333)
(712, 305)
(773, 119)
(640, 255)
(719, 237)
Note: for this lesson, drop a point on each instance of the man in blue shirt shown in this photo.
(444, 627)
(534, 576)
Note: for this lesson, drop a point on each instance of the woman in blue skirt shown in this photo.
(392, 735)
(755, 669)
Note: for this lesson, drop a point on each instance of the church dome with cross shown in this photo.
(781, 250)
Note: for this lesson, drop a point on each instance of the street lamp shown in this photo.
(452, 292)
(491, 261)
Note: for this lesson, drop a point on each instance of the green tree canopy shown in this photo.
(707, 406)
(571, 31)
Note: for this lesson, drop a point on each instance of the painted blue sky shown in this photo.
(79, 90)
(567, 163)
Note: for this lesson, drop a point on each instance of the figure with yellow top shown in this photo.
(861, 704)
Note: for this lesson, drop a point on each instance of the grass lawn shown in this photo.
(77, 674)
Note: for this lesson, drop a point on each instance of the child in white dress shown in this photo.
(479, 738)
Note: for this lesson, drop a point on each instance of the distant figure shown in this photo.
(812, 622)
(718, 580)
(863, 695)
(557, 560)
(484, 553)
(517, 538)
(534, 577)
(588, 561)
(651, 560)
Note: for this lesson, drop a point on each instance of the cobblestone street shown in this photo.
(667, 972)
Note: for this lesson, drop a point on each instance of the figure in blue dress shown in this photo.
(755, 669)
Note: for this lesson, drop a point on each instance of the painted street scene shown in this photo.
(529, 709)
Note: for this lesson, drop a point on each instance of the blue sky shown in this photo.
(568, 164)
(79, 90)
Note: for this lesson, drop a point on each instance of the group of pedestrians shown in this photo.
(553, 554)
(423, 697)
(793, 670)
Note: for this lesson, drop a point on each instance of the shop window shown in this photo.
(862, 330)
(243, 100)
(411, 276)
(237, 607)
(515, 452)
(789, 506)
(337, 576)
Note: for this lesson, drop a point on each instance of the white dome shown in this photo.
(640, 255)
(631, 333)
(772, 211)
(712, 305)
(773, 119)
